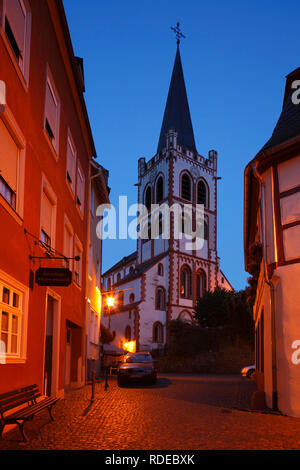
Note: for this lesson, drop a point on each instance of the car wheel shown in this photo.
(250, 373)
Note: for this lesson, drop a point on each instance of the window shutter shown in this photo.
(9, 156)
(51, 108)
(46, 217)
(71, 164)
(16, 17)
(80, 189)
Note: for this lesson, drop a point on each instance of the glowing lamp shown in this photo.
(110, 301)
(129, 346)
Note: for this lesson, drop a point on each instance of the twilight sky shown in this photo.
(235, 58)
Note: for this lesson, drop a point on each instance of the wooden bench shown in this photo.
(15, 399)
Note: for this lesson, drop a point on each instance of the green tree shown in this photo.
(223, 308)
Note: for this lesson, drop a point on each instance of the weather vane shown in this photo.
(178, 33)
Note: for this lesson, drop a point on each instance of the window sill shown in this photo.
(10, 210)
(13, 360)
(53, 151)
(76, 285)
(70, 189)
(14, 61)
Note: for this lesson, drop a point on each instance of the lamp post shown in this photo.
(110, 301)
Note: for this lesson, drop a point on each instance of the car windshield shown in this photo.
(138, 358)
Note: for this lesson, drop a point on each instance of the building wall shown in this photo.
(40, 164)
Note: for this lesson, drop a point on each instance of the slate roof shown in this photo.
(119, 264)
(177, 112)
(140, 269)
(288, 124)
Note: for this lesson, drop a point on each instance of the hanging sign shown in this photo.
(53, 277)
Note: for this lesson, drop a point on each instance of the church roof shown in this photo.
(140, 269)
(127, 259)
(177, 112)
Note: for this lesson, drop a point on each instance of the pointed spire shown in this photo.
(177, 112)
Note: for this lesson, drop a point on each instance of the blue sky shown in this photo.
(235, 58)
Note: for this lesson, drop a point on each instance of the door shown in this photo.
(48, 366)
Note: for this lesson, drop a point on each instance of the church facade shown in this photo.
(162, 279)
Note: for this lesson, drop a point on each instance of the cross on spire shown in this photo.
(177, 32)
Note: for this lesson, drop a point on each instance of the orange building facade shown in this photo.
(46, 148)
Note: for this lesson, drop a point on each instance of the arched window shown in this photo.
(118, 277)
(201, 284)
(131, 269)
(158, 332)
(131, 298)
(160, 299)
(128, 333)
(108, 284)
(159, 189)
(185, 282)
(202, 193)
(160, 269)
(205, 230)
(148, 198)
(186, 187)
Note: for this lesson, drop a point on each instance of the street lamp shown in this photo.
(110, 301)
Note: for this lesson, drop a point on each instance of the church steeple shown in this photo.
(177, 112)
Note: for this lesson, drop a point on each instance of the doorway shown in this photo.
(51, 356)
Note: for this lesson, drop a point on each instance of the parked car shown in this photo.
(248, 371)
(137, 367)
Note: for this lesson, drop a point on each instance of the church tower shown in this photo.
(169, 271)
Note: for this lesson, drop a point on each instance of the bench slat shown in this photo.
(32, 409)
(17, 391)
(19, 400)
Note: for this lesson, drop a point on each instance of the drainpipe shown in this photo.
(271, 286)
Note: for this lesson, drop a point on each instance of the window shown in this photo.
(48, 217)
(16, 24)
(68, 243)
(200, 284)
(80, 190)
(185, 282)
(71, 164)
(52, 111)
(78, 263)
(108, 283)
(148, 198)
(160, 270)
(160, 299)
(131, 298)
(118, 277)
(159, 189)
(9, 166)
(128, 333)
(13, 307)
(158, 332)
(201, 193)
(186, 187)
(205, 230)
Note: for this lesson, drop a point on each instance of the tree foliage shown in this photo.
(223, 308)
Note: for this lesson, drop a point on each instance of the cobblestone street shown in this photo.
(179, 412)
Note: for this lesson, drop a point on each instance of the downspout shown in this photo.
(271, 286)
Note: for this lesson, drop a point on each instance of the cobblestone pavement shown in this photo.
(179, 412)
